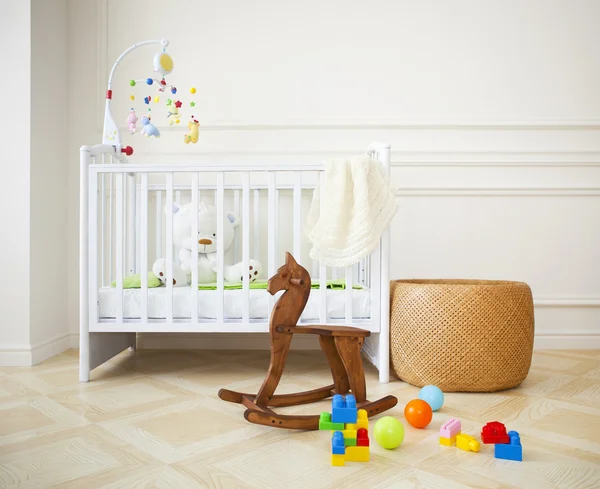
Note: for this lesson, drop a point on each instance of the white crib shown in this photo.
(123, 229)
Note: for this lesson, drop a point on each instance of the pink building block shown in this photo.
(450, 428)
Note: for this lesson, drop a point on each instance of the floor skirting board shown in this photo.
(25, 355)
(260, 341)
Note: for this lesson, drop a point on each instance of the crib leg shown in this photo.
(133, 347)
(84, 373)
(84, 356)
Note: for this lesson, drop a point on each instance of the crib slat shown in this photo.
(375, 277)
(144, 245)
(256, 225)
(315, 263)
(277, 200)
(349, 292)
(119, 245)
(236, 209)
(102, 229)
(219, 197)
(137, 231)
(194, 264)
(110, 228)
(178, 197)
(91, 274)
(272, 224)
(159, 225)
(322, 269)
(130, 233)
(246, 246)
(297, 216)
(169, 246)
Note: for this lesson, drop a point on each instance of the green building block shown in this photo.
(326, 424)
(349, 442)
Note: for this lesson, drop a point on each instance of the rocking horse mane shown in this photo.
(295, 281)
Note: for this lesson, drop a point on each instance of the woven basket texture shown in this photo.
(461, 335)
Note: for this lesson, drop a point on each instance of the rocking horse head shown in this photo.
(289, 274)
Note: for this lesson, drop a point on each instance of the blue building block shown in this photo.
(337, 443)
(510, 451)
(343, 410)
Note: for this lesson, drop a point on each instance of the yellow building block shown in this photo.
(349, 433)
(337, 460)
(362, 421)
(467, 443)
(357, 454)
(448, 442)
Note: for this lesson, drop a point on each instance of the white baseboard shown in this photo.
(15, 357)
(567, 342)
(26, 356)
(260, 341)
(49, 348)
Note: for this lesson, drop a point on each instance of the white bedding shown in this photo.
(207, 304)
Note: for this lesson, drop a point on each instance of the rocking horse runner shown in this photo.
(341, 344)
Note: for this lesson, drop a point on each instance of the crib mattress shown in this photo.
(233, 304)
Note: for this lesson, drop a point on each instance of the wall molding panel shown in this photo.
(471, 161)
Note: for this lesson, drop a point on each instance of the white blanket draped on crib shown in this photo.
(352, 206)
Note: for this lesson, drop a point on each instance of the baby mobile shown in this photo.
(173, 110)
(163, 64)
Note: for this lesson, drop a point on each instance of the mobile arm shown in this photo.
(110, 133)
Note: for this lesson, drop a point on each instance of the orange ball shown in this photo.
(418, 413)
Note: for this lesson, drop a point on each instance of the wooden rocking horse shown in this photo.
(341, 344)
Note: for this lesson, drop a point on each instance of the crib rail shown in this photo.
(131, 225)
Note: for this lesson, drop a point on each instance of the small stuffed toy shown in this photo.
(132, 121)
(192, 136)
(207, 247)
(149, 129)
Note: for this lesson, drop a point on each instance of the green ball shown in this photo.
(132, 83)
(389, 432)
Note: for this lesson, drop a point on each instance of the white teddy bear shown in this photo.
(207, 247)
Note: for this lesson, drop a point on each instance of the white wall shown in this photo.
(15, 31)
(49, 176)
(33, 204)
(492, 110)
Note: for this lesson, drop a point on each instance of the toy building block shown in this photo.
(357, 454)
(467, 442)
(349, 433)
(337, 443)
(447, 442)
(350, 442)
(337, 460)
(509, 451)
(450, 428)
(362, 421)
(362, 438)
(343, 409)
(326, 424)
(494, 432)
(448, 432)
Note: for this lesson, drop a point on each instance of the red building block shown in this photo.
(494, 432)
(362, 438)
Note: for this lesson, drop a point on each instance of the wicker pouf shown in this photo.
(461, 335)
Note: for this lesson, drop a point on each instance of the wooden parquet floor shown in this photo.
(152, 419)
